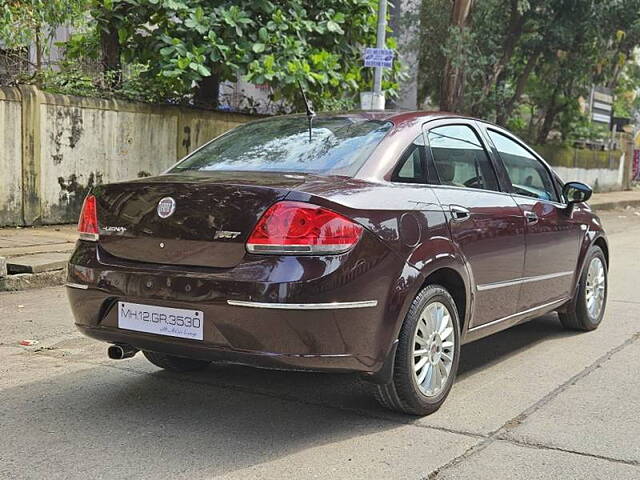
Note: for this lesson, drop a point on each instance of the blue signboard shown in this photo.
(378, 57)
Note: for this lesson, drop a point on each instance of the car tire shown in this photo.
(592, 287)
(404, 393)
(175, 364)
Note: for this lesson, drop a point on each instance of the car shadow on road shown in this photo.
(128, 422)
(159, 424)
(500, 346)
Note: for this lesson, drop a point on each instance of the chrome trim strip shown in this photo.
(524, 312)
(547, 277)
(491, 286)
(297, 249)
(304, 306)
(509, 283)
(77, 285)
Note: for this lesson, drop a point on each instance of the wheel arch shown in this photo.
(598, 240)
(454, 283)
(602, 243)
(444, 272)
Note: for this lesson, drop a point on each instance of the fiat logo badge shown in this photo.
(166, 207)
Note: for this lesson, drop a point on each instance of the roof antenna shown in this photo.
(307, 105)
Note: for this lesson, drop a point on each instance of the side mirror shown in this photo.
(576, 192)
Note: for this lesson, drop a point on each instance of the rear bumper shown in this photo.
(206, 351)
(333, 314)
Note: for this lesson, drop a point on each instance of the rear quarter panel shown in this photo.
(409, 220)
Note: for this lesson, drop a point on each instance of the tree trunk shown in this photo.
(452, 79)
(617, 70)
(532, 116)
(504, 114)
(514, 31)
(207, 92)
(617, 66)
(110, 46)
(38, 46)
(549, 117)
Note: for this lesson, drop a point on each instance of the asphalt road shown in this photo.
(532, 402)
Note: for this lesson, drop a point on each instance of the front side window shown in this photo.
(460, 159)
(338, 146)
(528, 175)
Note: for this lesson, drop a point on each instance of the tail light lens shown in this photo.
(302, 228)
(88, 223)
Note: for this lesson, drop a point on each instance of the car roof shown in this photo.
(397, 117)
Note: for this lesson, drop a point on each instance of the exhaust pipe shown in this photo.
(120, 352)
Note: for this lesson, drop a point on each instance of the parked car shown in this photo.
(375, 243)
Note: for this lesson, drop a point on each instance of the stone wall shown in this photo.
(10, 157)
(53, 148)
(603, 170)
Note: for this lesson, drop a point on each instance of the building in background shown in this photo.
(18, 62)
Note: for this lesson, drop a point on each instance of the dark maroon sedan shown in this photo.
(370, 243)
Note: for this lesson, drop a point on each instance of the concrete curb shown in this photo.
(616, 204)
(25, 281)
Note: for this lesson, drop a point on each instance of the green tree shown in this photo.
(627, 98)
(542, 53)
(196, 44)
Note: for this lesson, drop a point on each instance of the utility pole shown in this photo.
(378, 58)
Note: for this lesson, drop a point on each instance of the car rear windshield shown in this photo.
(338, 146)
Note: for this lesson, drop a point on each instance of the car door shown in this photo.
(485, 223)
(552, 235)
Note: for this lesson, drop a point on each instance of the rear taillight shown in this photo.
(302, 228)
(88, 223)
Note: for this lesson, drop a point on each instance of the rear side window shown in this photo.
(528, 175)
(411, 168)
(460, 159)
(338, 146)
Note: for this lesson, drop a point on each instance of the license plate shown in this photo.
(172, 322)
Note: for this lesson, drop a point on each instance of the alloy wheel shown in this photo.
(433, 349)
(595, 289)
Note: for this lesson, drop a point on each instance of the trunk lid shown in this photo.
(212, 218)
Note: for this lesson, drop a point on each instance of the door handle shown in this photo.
(531, 217)
(459, 213)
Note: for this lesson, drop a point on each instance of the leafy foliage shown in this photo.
(281, 43)
(131, 85)
(22, 20)
(527, 63)
(175, 50)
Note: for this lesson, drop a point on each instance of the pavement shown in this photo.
(35, 257)
(616, 200)
(533, 402)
